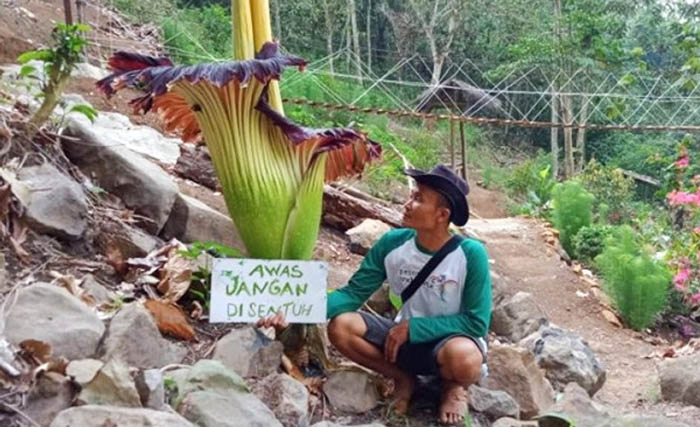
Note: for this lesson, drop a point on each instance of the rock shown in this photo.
(379, 301)
(149, 384)
(89, 71)
(577, 406)
(55, 203)
(52, 394)
(680, 379)
(286, 397)
(129, 241)
(566, 357)
(514, 370)
(3, 271)
(517, 317)
(642, 421)
(48, 313)
(512, 422)
(192, 220)
(494, 404)
(195, 164)
(134, 338)
(332, 424)
(233, 409)
(248, 352)
(351, 391)
(102, 154)
(103, 416)
(209, 375)
(365, 235)
(112, 385)
(96, 290)
(83, 371)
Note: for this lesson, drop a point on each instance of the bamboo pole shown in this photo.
(464, 150)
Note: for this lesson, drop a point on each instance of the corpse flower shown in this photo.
(271, 170)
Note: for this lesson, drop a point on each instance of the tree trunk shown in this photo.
(554, 137)
(568, 136)
(278, 20)
(328, 18)
(581, 135)
(352, 10)
(369, 34)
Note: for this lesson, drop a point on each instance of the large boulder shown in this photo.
(233, 409)
(680, 379)
(517, 317)
(134, 338)
(351, 391)
(54, 203)
(248, 352)
(51, 314)
(140, 183)
(287, 397)
(101, 416)
(112, 385)
(514, 370)
(365, 235)
(566, 357)
(192, 220)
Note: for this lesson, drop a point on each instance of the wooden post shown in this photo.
(67, 11)
(464, 150)
(452, 144)
(79, 5)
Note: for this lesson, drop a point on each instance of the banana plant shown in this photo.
(271, 170)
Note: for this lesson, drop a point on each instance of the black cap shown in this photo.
(443, 180)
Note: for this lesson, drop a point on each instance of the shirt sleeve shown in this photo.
(368, 278)
(475, 315)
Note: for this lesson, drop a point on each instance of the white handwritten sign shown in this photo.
(244, 290)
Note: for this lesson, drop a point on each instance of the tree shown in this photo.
(438, 20)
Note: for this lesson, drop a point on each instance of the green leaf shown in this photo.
(82, 27)
(85, 110)
(38, 55)
(26, 70)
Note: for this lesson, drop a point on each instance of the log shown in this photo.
(343, 211)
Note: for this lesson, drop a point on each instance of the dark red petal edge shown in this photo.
(154, 75)
(349, 150)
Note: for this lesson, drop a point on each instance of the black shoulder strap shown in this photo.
(429, 267)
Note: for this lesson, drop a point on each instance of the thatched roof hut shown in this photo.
(458, 96)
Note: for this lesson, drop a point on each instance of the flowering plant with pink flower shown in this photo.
(684, 252)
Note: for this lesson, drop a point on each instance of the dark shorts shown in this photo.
(417, 359)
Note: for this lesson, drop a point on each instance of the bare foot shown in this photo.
(453, 404)
(403, 391)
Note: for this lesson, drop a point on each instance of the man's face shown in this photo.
(424, 209)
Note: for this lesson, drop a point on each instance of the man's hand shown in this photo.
(276, 321)
(398, 335)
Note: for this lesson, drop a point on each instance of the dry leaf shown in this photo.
(611, 317)
(176, 275)
(5, 194)
(198, 311)
(115, 258)
(38, 350)
(576, 267)
(170, 319)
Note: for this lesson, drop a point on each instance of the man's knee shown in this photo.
(345, 326)
(460, 360)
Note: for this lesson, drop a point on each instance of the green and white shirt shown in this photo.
(454, 299)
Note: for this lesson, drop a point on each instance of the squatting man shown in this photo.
(441, 327)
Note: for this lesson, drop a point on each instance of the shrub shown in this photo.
(637, 283)
(589, 242)
(611, 188)
(572, 206)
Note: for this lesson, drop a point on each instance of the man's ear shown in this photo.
(444, 214)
